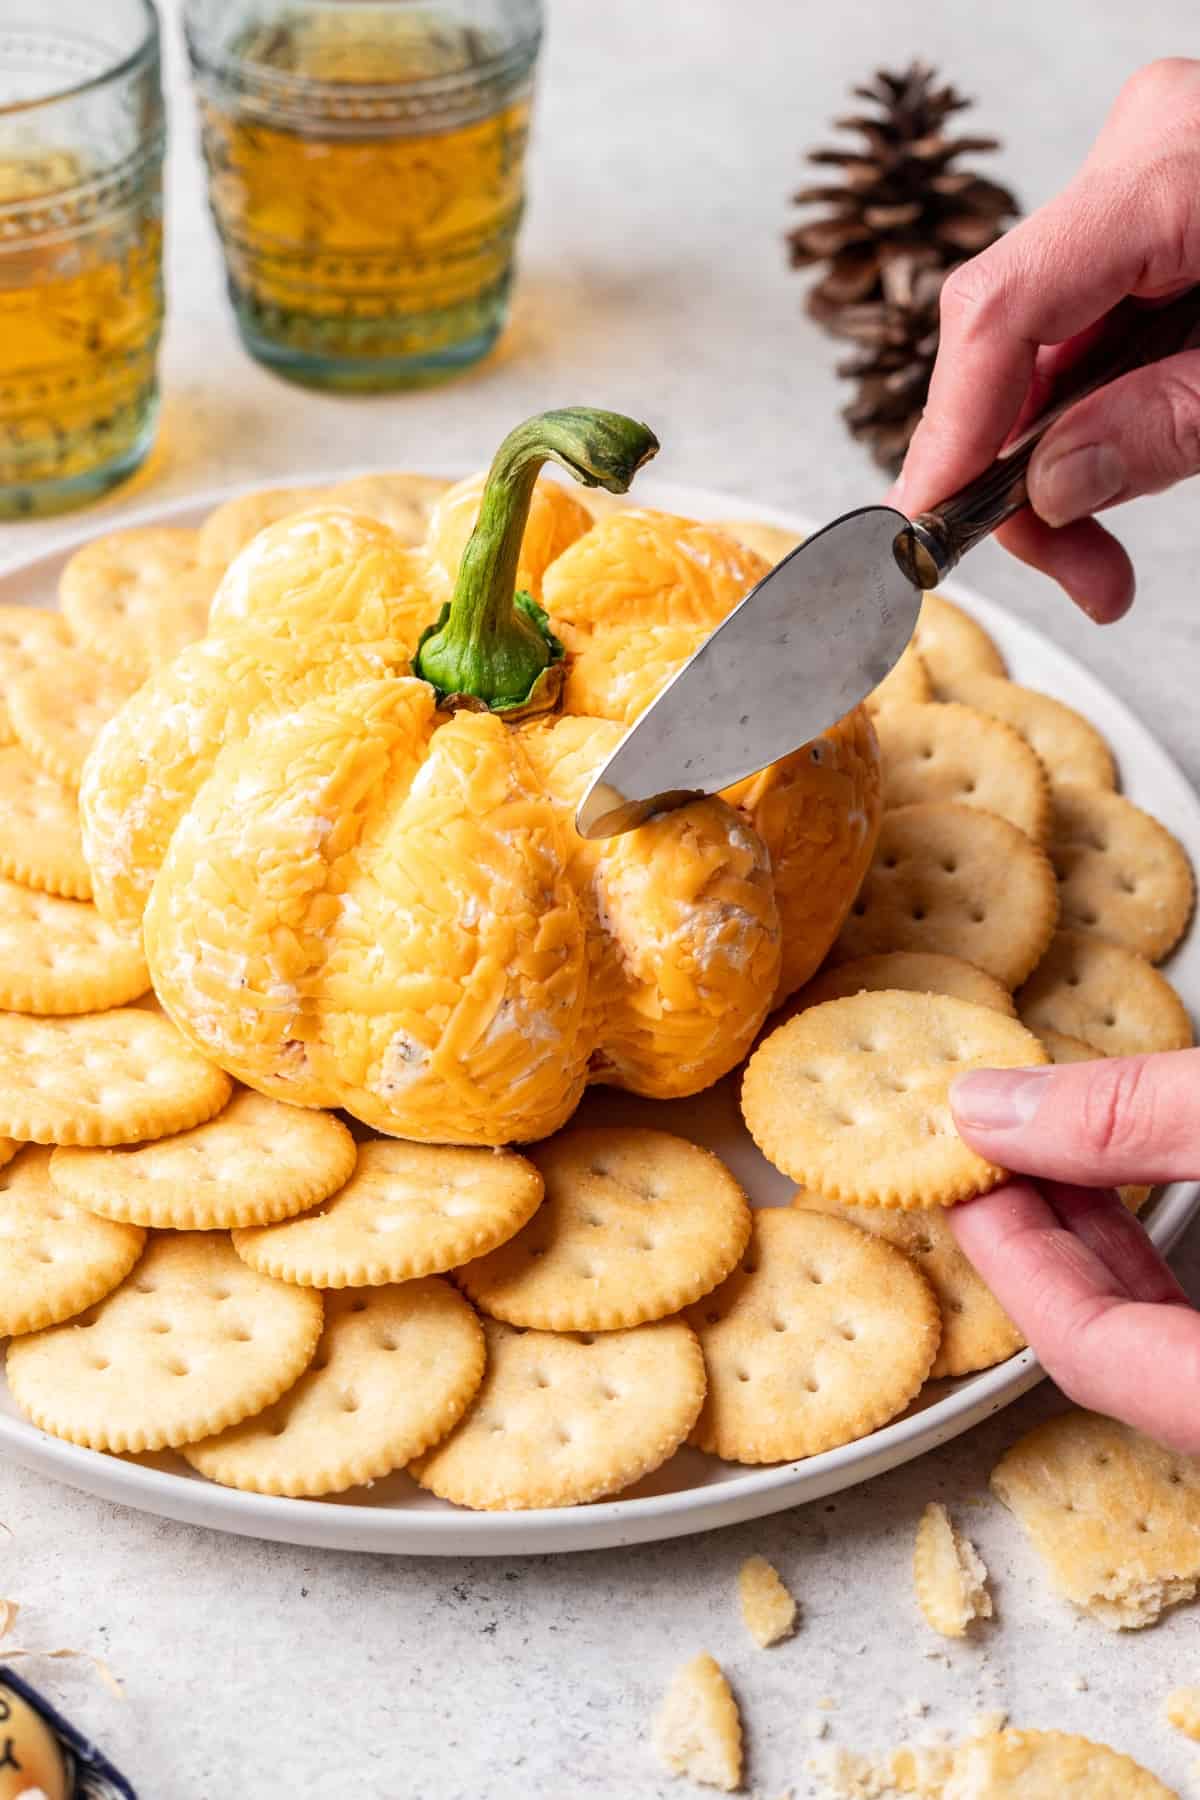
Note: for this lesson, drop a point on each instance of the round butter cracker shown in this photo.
(909, 971)
(852, 1099)
(976, 1331)
(959, 881)
(136, 598)
(258, 1160)
(29, 637)
(635, 1225)
(57, 1258)
(102, 1078)
(407, 1210)
(60, 956)
(191, 1342)
(771, 542)
(1068, 745)
(1048, 1765)
(820, 1336)
(1121, 875)
(41, 845)
(561, 1420)
(403, 502)
(394, 1371)
(58, 709)
(949, 641)
(229, 527)
(954, 753)
(1105, 995)
(906, 681)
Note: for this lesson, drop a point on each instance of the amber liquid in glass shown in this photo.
(80, 317)
(362, 250)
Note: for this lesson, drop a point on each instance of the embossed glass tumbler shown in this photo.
(365, 163)
(81, 147)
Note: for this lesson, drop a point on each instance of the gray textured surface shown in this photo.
(666, 144)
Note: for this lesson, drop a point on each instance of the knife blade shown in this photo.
(808, 643)
(825, 626)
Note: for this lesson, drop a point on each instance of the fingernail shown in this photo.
(1075, 483)
(997, 1099)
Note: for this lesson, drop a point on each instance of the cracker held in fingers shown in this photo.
(821, 1335)
(852, 1099)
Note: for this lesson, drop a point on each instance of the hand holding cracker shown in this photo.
(1069, 1262)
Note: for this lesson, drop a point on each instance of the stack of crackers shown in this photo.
(299, 1307)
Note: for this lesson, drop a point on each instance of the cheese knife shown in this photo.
(822, 629)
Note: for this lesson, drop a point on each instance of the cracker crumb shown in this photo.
(915, 1709)
(827, 1704)
(698, 1731)
(984, 1723)
(8, 1616)
(768, 1608)
(817, 1725)
(1183, 1711)
(949, 1575)
(1079, 1683)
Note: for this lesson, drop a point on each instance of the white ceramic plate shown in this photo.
(692, 1492)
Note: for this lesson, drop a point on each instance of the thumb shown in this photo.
(1093, 1124)
(1137, 436)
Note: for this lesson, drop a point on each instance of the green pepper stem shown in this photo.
(491, 646)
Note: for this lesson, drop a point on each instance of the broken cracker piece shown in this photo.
(767, 1607)
(698, 1731)
(949, 1575)
(1183, 1711)
(1115, 1516)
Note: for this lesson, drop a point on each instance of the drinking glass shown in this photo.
(365, 165)
(81, 301)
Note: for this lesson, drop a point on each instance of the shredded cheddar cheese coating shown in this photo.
(350, 899)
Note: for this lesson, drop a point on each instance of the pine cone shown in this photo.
(899, 197)
(898, 336)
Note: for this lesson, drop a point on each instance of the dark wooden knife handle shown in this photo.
(1138, 334)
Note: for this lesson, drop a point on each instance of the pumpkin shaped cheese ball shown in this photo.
(345, 819)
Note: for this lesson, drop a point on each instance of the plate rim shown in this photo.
(334, 1524)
